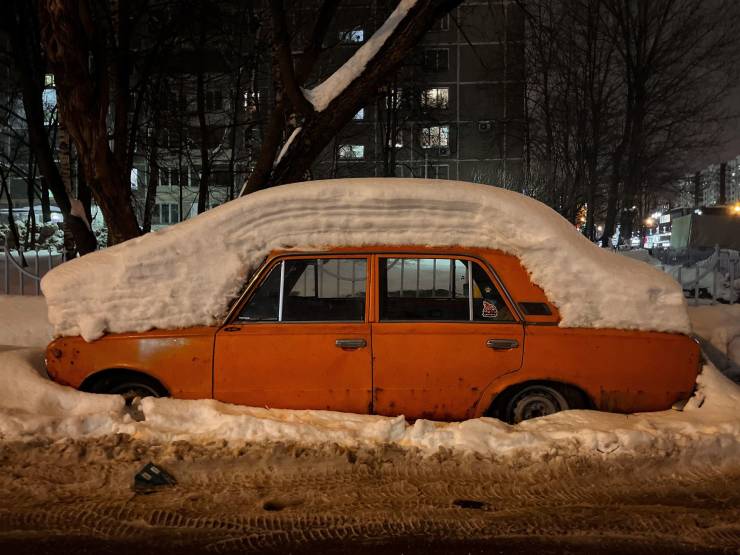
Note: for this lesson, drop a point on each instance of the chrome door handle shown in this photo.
(502, 344)
(350, 343)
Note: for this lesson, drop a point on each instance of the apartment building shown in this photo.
(455, 109)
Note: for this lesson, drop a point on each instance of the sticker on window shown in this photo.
(489, 309)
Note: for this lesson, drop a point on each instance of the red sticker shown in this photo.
(489, 309)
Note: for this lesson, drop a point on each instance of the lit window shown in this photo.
(436, 98)
(252, 100)
(351, 152)
(49, 81)
(435, 137)
(393, 98)
(355, 36)
(360, 114)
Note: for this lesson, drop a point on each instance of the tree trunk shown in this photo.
(82, 96)
(318, 128)
(205, 169)
(29, 68)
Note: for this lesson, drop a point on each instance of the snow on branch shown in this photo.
(286, 146)
(322, 95)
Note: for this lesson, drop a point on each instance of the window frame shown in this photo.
(266, 269)
(439, 135)
(514, 310)
(372, 304)
(436, 67)
(351, 146)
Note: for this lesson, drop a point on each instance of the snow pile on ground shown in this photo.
(719, 325)
(32, 406)
(187, 274)
(23, 321)
(322, 95)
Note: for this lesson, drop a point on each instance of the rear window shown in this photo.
(439, 289)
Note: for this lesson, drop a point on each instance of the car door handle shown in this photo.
(350, 343)
(502, 344)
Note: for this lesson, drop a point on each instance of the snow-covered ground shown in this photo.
(31, 406)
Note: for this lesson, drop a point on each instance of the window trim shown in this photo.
(372, 308)
(266, 268)
(516, 314)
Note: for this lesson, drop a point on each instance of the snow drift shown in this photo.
(32, 407)
(187, 274)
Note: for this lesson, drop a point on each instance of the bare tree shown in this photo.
(315, 123)
(676, 58)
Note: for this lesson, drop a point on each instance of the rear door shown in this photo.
(444, 332)
(302, 340)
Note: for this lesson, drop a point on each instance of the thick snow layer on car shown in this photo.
(187, 274)
(32, 407)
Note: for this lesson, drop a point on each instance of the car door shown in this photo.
(301, 340)
(444, 331)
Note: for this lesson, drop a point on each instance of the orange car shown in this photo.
(444, 334)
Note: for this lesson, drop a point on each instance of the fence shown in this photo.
(708, 274)
(21, 271)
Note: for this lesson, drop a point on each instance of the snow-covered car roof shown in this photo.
(187, 274)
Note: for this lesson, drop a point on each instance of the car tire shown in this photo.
(537, 400)
(130, 385)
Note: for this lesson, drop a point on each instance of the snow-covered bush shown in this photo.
(49, 235)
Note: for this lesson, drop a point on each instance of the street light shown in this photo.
(649, 222)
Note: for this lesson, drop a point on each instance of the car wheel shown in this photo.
(534, 401)
(130, 386)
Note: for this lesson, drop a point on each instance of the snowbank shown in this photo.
(708, 429)
(719, 325)
(31, 405)
(23, 321)
(187, 274)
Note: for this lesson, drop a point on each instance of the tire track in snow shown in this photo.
(265, 498)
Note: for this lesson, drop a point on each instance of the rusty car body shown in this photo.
(437, 333)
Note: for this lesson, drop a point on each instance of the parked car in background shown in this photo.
(437, 333)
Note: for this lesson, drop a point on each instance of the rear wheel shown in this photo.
(537, 400)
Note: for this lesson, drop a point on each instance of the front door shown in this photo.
(444, 332)
(301, 341)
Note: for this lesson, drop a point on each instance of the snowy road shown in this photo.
(276, 497)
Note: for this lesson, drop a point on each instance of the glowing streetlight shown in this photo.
(649, 222)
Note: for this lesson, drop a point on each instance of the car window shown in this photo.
(438, 289)
(330, 289)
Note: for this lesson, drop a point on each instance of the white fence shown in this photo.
(715, 277)
(21, 271)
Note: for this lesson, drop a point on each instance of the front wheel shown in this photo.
(538, 400)
(130, 386)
